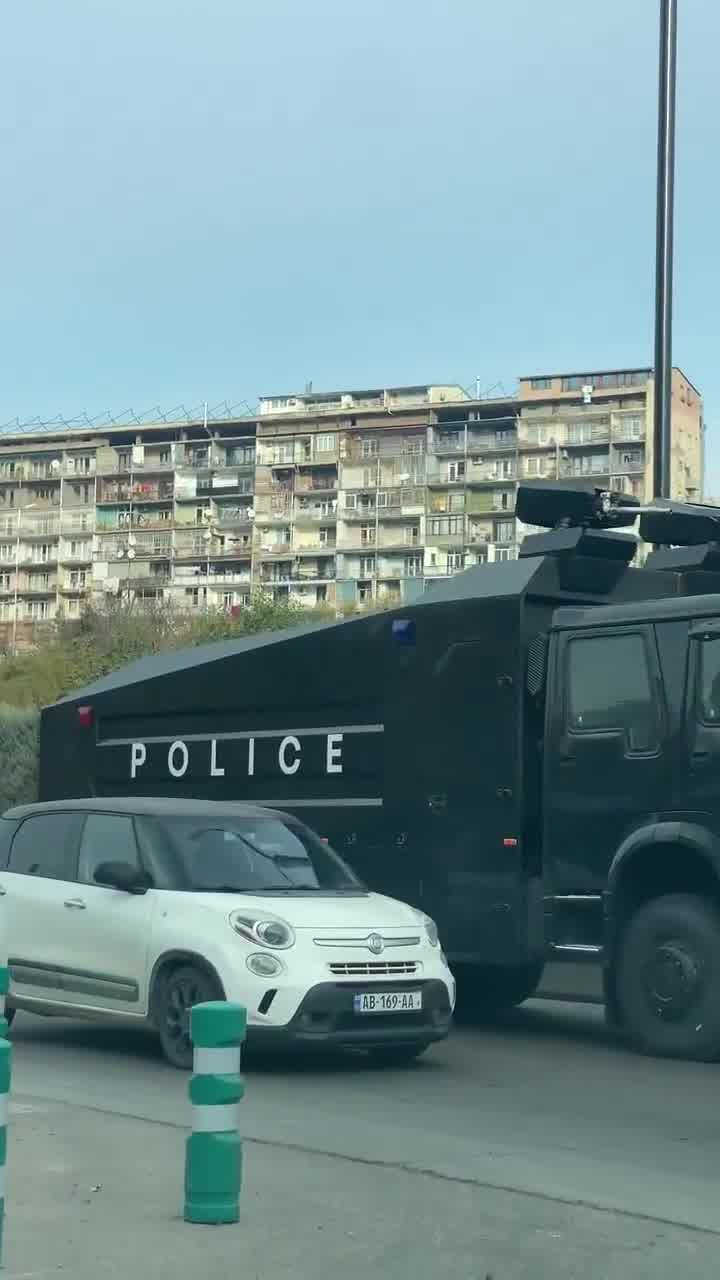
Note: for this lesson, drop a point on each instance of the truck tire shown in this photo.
(667, 978)
(484, 992)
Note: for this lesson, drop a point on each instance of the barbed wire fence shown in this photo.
(180, 415)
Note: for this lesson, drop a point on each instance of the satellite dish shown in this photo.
(55, 464)
(131, 554)
(207, 535)
(120, 553)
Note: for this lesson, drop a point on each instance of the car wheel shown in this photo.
(667, 976)
(396, 1055)
(179, 992)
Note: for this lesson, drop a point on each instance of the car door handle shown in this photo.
(76, 904)
(3, 891)
(699, 758)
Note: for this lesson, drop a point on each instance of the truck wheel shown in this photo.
(483, 992)
(180, 991)
(668, 978)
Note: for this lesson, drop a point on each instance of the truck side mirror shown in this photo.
(536, 664)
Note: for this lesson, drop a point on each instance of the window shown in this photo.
(5, 581)
(325, 443)
(609, 688)
(367, 566)
(631, 426)
(41, 554)
(455, 561)
(504, 436)
(541, 384)
(505, 468)
(369, 448)
(410, 534)
(82, 466)
(325, 536)
(38, 610)
(367, 533)
(413, 566)
(575, 382)
(364, 592)
(106, 837)
(456, 471)
(370, 477)
(44, 845)
(505, 553)
(165, 457)
(456, 502)
(709, 681)
(505, 531)
(124, 460)
(442, 526)
(7, 551)
(78, 579)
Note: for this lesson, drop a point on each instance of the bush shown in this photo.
(19, 752)
(101, 641)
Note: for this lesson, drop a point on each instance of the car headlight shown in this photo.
(431, 930)
(263, 965)
(266, 931)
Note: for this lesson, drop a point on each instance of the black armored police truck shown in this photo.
(530, 753)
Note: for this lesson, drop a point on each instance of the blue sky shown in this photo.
(228, 200)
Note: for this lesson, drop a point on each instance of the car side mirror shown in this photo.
(121, 875)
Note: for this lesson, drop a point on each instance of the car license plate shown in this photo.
(388, 1002)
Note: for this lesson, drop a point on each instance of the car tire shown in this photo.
(484, 992)
(396, 1055)
(667, 976)
(179, 991)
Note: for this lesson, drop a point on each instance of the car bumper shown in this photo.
(326, 1019)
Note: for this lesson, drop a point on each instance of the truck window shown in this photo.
(709, 682)
(609, 688)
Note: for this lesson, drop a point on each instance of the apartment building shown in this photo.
(340, 498)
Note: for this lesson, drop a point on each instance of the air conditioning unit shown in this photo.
(587, 393)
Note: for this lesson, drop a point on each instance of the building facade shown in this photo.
(339, 498)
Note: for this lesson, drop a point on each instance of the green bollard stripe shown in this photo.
(216, 1062)
(215, 1119)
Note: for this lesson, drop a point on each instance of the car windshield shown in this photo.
(256, 855)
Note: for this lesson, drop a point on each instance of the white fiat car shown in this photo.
(140, 908)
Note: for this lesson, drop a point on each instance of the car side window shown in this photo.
(106, 837)
(709, 682)
(44, 845)
(610, 688)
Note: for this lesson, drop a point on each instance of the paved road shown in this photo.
(546, 1104)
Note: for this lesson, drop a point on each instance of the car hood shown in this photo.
(369, 912)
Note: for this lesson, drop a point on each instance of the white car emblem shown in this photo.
(375, 944)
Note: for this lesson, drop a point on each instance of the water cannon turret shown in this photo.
(580, 522)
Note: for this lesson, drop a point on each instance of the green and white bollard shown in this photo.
(213, 1154)
(4, 988)
(5, 1063)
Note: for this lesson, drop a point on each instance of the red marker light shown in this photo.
(85, 717)
(510, 842)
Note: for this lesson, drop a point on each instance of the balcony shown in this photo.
(236, 519)
(314, 548)
(310, 515)
(77, 588)
(30, 587)
(109, 493)
(316, 484)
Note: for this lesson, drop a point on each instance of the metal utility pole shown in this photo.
(664, 247)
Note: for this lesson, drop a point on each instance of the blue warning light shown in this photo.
(403, 631)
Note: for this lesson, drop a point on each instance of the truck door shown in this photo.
(606, 766)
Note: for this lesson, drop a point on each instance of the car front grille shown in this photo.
(375, 968)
